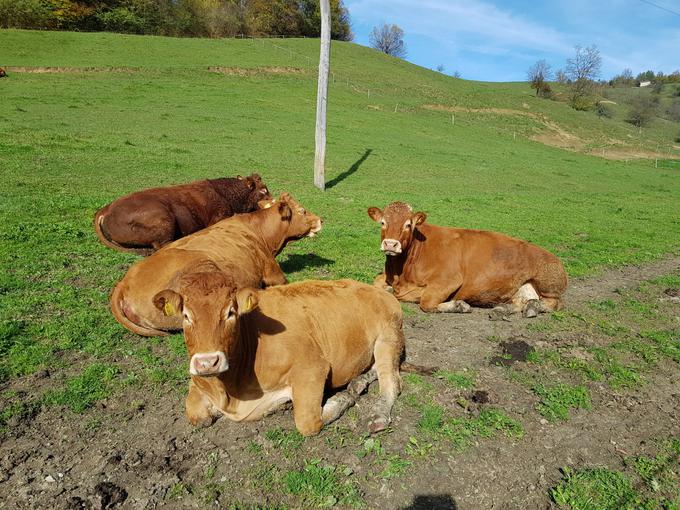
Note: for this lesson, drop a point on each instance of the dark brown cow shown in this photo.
(448, 269)
(147, 220)
(243, 247)
(253, 350)
(3, 73)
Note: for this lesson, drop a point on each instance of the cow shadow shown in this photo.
(344, 175)
(296, 262)
(432, 502)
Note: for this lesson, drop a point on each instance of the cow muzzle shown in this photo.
(208, 363)
(316, 228)
(391, 247)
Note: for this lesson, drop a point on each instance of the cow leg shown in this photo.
(308, 384)
(273, 275)
(525, 300)
(198, 408)
(343, 400)
(381, 282)
(434, 296)
(550, 304)
(455, 306)
(387, 352)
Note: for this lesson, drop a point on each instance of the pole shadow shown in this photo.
(344, 175)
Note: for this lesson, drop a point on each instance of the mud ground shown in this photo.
(136, 450)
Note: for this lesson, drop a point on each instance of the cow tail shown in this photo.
(107, 241)
(410, 368)
(116, 302)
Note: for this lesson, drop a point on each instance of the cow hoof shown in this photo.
(377, 424)
(532, 309)
(202, 422)
(463, 307)
(499, 313)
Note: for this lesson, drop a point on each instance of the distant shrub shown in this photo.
(677, 138)
(603, 110)
(642, 111)
(23, 14)
(121, 20)
(673, 111)
(582, 103)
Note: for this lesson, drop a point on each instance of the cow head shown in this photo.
(398, 223)
(210, 305)
(300, 222)
(256, 186)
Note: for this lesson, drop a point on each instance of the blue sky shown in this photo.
(494, 40)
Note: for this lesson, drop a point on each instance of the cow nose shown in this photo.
(391, 246)
(208, 363)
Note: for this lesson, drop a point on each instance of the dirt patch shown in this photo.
(72, 70)
(136, 450)
(242, 71)
(232, 71)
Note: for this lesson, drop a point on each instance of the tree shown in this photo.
(561, 77)
(582, 71)
(388, 39)
(440, 68)
(539, 75)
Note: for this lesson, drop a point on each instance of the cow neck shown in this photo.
(220, 185)
(241, 355)
(267, 223)
(394, 265)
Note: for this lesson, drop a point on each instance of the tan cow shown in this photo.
(448, 269)
(244, 246)
(253, 350)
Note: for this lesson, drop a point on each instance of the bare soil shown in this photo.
(135, 449)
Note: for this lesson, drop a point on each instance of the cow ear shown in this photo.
(239, 177)
(246, 301)
(375, 213)
(266, 203)
(419, 218)
(168, 302)
(285, 211)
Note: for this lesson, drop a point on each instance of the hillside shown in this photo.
(91, 414)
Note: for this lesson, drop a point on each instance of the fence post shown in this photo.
(322, 96)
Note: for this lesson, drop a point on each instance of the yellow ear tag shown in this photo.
(168, 309)
(249, 304)
(268, 205)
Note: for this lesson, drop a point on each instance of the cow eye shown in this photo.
(302, 211)
(383, 223)
(186, 318)
(231, 313)
(407, 224)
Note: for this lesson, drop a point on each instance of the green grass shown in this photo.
(651, 483)
(555, 401)
(94, 384)
(322, 486)
(455, 380)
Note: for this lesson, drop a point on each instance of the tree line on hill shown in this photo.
(184, 18)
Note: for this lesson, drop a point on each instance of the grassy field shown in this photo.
(73, 141)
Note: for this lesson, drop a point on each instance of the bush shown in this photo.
(121, 20)
(23, 14)
(581, 103)
(603, 110)
(642, 111)
(673, 111)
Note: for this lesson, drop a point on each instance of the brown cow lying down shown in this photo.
(243, 246)
(2, 73)
(253, 350)
(448, 269)
(144, 221)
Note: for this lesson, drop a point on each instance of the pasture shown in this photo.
(575, 409)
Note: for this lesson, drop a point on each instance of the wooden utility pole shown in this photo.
(322, 96)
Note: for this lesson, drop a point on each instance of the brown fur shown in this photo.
(291, 341)
(3, 73)
(243, 246)
(147, 220)
(442, 264)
